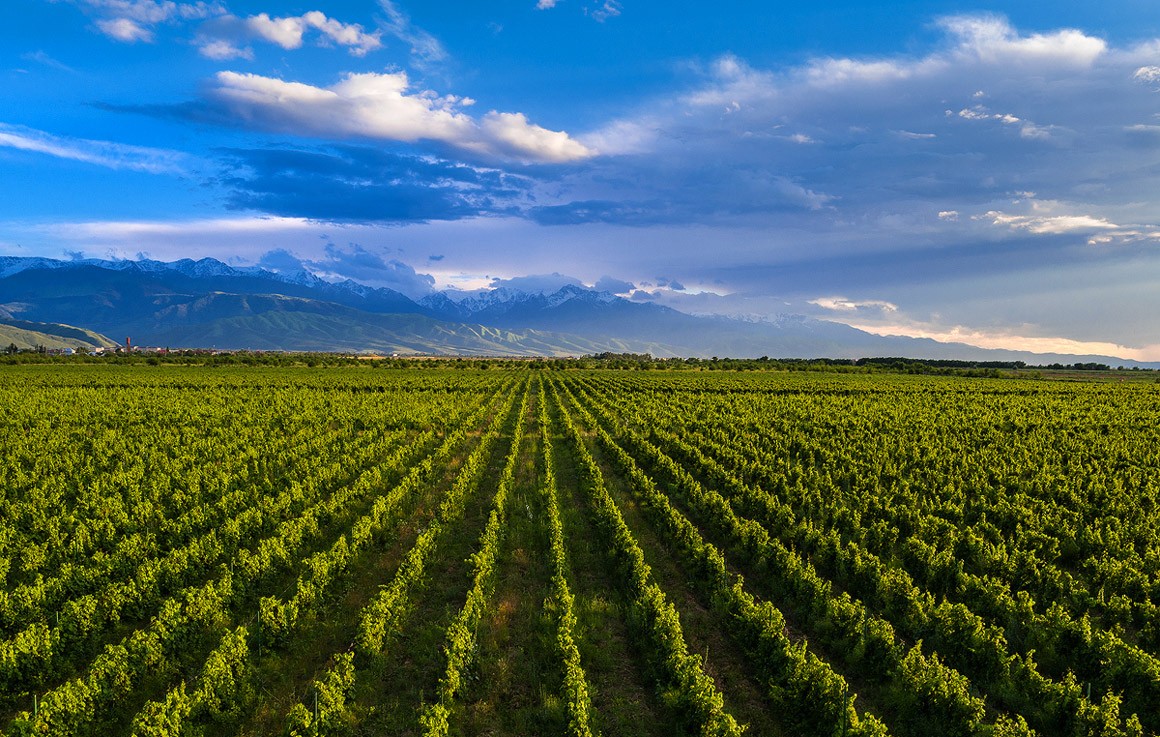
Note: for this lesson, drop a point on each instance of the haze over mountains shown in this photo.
(207, 303)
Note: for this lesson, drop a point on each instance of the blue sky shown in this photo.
(977, 172)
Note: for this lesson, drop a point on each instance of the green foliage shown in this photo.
(462, 640)
(326, 714)
(941, 543)
(577, 700)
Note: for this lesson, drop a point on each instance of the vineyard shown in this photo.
(407, 551)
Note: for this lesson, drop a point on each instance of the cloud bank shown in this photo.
(362, 184)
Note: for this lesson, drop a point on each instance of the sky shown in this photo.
(983, 173)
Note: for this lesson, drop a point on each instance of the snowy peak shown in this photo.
(12, 265)
(439, 303)
(587, 296)
(504, 300)
(494, 298)
(206, 267)
(202, 268)
(301, 277)
(477, 306)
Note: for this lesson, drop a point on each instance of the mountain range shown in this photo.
(210, 304)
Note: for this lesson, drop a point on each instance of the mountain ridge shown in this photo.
(189, 302)
(27, 335)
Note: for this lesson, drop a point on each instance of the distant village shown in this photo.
(127, 348)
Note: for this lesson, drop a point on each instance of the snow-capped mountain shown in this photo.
(206, 267)
(503, 304)
(207, 302)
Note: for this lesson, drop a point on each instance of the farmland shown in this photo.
(400, 551)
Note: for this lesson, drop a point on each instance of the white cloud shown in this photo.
(1057, 224)
(221, 50)
(288, 32)
(841, 72)
(802, 138)
(951, 215)
(892, 158)
(842, 304)
(622, 137)
(978, 112)
(425, 48)
(598, 10)
(1052, 218)
(155, 11)
(130, 21)
(237, 240)
(602, 10)
(371, 105)
(40, 57)
(350, 35)
(981, 47)
(1027, 129)
(125, 30)
(1011, 340)
(128, 228)
(732, 79)
(971, 114)
(1050, 225)
(382, 106)
(1035, 132)
(1148, 74)
(135, 20)
(992, 40)
(512, 136)
(101, 153)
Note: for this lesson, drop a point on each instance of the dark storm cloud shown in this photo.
(357, 184)
(613, 285)
(542, 283)
(281, 260)
(352, 261)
